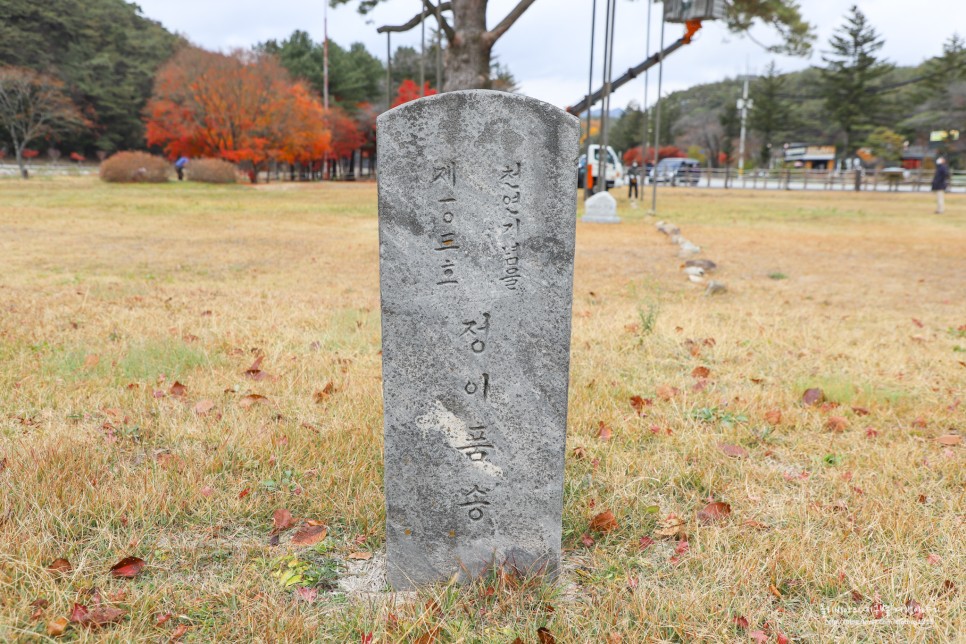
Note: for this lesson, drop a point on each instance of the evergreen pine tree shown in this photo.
(771, 114)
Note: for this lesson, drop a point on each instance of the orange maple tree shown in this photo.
(409, 91)
(242, 107)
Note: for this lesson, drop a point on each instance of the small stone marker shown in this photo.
(477, 211)
(601, 208)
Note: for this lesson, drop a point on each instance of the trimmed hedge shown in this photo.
(211, 171)
(135, 167)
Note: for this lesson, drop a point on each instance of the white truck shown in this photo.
(616, 174)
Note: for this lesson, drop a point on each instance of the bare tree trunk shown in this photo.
(468, 54)
(21, 163)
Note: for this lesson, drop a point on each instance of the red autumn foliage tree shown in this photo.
(666, 152)
(409, 91)
(242, 107)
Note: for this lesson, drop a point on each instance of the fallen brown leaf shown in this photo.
(670, 527)
(813, 397)
(603, 431)
(639, 404)
(700, 372)
(91, 360)
(61, 566)
(837, 424)
(99, 616)
(309, 535)
(57, 627)
(713, 512)
(178, 390)
(360, 556)
(580, 453)
(128, 568)
(544, 636)
(587, 540)
(733, 451)
(202, 407)
(244, 493)
(323, 394)
(251, 399)
(282, 520)
(949, 439)
(665, 392)
(179, 632)
(604, 522)
(860, 411)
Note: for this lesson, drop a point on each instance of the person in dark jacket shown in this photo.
(940, 182)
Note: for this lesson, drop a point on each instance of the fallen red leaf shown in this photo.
(860, 411)
(128, 568)
(61, 566)
(639, 404)
(178, 390)
(700, 372)
(603, 431)
(713, 512)
(306, 594)
(871, 432)
(99, 616)
(604, 522)
(587, 540)
(917, 323)
(179, 632)
(244, 493)
(282, 520)
(645, 542)
(309, 535)
(683, 547)
(741, 622)
(162, 619)
(733, 451)
(813, 397)
(934, 559)
(758, 636)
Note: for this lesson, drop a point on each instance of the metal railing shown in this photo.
(804, 179)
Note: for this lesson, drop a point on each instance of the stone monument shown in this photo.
(477, 210)
(601, 208)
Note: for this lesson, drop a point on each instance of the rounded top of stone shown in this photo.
(466, 97)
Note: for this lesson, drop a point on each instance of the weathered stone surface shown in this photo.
(477, 209)
(601, 208)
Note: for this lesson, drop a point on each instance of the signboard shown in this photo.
(810, 153)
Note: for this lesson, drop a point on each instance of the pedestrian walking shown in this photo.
(179, 167)
(940, 181)
(633, 177)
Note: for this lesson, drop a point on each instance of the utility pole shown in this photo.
(422, 54)
(388, 70)
(657, 119)
(602, 156)
(744, 105)
(590, 89)
(439, 49)
(642, 179)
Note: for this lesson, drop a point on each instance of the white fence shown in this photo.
(802, 179)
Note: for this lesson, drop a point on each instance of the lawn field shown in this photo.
(179, 362)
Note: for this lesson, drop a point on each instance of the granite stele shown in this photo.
(477, 209)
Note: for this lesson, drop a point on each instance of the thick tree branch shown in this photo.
(418, 18)
(494, 34)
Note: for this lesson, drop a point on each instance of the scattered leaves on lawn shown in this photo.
(812, 397)
(733, 451)
(60, 566)
(128, 568)
(604, 522)
(99, 616)
(282, 520)
(603, 431)
(309, 535)
(713, 512)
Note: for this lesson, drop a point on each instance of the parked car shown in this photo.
(677, 170)
(616, 174)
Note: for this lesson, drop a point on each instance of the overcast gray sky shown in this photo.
(547, 49)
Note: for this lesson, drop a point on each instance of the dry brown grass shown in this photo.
(105, 287)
